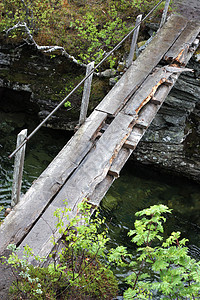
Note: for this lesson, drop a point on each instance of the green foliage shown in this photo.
(67, 104)
(82, 268)
(99, 40)
(40, 16)
(97, 36)
(78, 271)
(176, 275)
(88, 30)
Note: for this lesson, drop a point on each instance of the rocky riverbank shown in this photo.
(173, 139)
(35, 83)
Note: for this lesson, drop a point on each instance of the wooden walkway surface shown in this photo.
(90, 162)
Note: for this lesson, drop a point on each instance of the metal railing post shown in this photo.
(18, 169)
(134, 41)
(164, 14)
(86, 93)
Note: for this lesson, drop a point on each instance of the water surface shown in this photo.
(40, 151)
(137, 188)
(140, 187)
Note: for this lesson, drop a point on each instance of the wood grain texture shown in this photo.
(26, 212)
(144, 64)
(178, 52)
(82, 183)
(147, 91)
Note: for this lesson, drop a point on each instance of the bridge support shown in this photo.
(134, 41)
(86, 94)
(18, 169)
(164, 15)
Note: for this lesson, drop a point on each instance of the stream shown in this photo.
(137, 188)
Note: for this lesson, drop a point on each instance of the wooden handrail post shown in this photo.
(18, 169)
(134, 41)
(164, 14)
(86, 93)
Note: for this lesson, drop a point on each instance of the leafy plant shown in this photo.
(175, 274)
(99, 40)
(87, 30)
(82, 268)
(79, 270)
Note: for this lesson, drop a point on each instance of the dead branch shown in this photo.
(46, 49)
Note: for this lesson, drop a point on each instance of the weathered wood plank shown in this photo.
(86, 94)
(100, 190)
(141, 123)
(18, 168)
(144, 64)
(119, 162)
(164, 14)
(83, 181)
(26, 212)
(146, 91)
(146, 115)
(155, 101)
(180, 48)
(134, 41)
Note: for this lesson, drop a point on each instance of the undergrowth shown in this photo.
(86, 29)
(82, 269)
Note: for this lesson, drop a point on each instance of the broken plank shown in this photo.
(129, 145)
(181, 47)
(147, 113)
(139, 70)
(147, 90)
(92, 170)
(155, 101)
(123, 155)
(22, 217)
(100, 190)
(119, 162)
(141, 123)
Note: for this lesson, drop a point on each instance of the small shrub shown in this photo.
(161, 266)
(83, 270)
(80, 272)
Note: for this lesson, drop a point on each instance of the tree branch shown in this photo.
(46, 49)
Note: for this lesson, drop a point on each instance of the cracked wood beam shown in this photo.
(178, 52)
(21, 219)
(147, 91)
(92, 171)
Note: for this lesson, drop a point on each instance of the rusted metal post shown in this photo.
(86, 93)
(134, 41)
(164, 14)
(18, 169)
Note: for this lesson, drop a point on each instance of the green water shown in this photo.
(137, 188)
(40, 151)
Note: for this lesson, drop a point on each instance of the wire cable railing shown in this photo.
(84, 79)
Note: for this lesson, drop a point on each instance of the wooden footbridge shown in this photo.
(89, 163)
